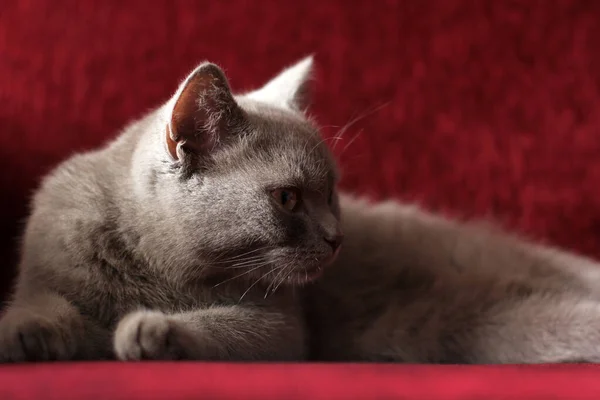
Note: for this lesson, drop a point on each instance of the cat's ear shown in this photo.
(289, 89)
(203, 113)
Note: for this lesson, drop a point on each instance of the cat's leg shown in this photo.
(216, 333)
(585, 270)
(539, 328)
(46, 327)
(542, 329)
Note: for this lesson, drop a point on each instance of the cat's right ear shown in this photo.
(203, 113)
(289, 89)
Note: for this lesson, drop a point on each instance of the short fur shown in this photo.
(167, 244)
(412, 287)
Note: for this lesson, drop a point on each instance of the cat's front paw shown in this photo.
(26, 336)
(150, 335)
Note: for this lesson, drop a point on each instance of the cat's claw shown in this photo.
(28, 337)
(148, 335)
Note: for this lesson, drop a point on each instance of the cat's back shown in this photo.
(86, 179)
(403, 270)
(77, 200)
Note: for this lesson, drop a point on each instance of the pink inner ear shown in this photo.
(171, 144)
(201, 112)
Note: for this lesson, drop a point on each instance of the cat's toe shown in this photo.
(145, 335)
(11, 345)
(31, 338)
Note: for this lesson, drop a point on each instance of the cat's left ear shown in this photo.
(289, 89)
(203, 114)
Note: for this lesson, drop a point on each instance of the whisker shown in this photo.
(245, 264)
(334, 138)
(242, 274)
(272, 281)
(329, 126)
(258, 280)
(226, 260)
(351, 141)
(321, 142)
(291, 270)
(236, 260)
(252, 251)
(339, 134)
(240, 262)
(283, 280)
(365, 114)
(281, 270)
(249, 265)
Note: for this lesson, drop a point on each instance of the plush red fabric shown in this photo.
(179, 381)
(469, 107)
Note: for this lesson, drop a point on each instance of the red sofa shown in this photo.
(470, 107)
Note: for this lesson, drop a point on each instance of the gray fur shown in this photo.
(409, 286)
(133, 253)
(166, 244)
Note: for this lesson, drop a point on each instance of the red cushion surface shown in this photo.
(487, 107)
(178, 381)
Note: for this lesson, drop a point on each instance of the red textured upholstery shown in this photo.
(486, 108)
(179, 381)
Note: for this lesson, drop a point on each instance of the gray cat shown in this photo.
(413, 287)
(185, 237)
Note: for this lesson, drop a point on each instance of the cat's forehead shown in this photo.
(289, 147)
(274, 127)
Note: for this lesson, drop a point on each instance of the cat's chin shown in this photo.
(312, 273)
(306, 276)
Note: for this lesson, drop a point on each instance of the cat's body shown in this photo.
(178, 239)
(409, 286)
(190, 235)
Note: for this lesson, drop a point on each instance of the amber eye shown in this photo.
(288, 198)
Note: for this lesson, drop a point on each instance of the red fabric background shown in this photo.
(487, 107)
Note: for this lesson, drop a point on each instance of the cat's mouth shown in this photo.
(314, 272)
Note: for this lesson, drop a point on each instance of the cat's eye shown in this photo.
(287, 198)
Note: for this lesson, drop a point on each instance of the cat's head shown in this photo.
(254, 185)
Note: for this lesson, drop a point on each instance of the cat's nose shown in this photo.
(335, 239)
